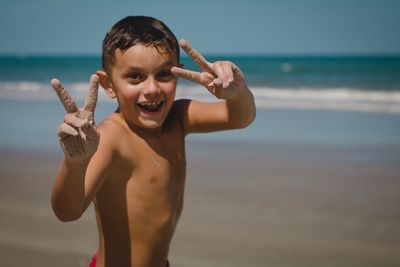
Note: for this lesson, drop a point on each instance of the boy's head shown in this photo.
(134, 30)
(138, 54)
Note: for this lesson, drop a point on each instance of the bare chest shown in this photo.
(159, 165)
(157, 177)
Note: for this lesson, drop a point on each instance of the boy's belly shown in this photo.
(154, 208)
(140, 219)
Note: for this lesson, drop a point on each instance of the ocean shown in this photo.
(352, 100)
(333, 83)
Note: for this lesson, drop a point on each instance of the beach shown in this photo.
(277, 206)
(248, 202)
(245, 205)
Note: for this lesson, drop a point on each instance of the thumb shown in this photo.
(65, 130)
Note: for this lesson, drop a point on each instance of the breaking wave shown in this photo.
(340, 99)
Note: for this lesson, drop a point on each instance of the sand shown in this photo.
(245, 205)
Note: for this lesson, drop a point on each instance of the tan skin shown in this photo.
(132, 165)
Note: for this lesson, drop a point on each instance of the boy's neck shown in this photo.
(143, 132)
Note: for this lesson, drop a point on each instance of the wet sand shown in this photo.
(245, 205)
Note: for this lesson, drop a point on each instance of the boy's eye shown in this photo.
(135, 76)
(165, 75)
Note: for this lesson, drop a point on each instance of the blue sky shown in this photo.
(230, 27)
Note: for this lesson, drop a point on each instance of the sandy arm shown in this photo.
(77, 183)
(225, 81)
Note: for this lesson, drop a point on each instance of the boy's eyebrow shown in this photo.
(169, 63)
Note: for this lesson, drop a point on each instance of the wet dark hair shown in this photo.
(133, 30)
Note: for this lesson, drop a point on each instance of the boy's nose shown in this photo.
(151, 88)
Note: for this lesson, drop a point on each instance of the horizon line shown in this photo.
(269, 55)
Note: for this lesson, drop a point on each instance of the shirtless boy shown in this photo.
(132, 165)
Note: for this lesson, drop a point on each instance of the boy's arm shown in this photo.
(76, 183)
(226, 81)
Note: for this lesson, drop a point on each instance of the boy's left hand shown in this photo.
(222, 78)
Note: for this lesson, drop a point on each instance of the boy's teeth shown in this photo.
(151, 106)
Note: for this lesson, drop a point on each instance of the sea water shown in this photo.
(341, 101)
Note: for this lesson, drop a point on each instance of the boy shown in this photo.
(132, 166)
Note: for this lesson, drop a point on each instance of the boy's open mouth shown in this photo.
(151, 107)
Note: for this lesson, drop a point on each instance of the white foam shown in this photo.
(35, 91)
(328, 99)
(345, 99)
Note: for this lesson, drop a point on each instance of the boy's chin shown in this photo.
(153, 120)
(151, 125)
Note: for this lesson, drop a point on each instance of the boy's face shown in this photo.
(144, 85)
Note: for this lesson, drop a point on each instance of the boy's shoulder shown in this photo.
(179, 108)
(179, 111)
(112, 131)
(111, 124)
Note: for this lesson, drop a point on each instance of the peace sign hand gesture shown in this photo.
(222, 78)
(78, 135)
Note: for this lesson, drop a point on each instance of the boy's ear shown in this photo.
(106, 83)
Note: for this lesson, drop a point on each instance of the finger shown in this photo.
(65, 130)
(220, 91)
(217, 82)
(236, 71)
(65, 98)
(214, 86)
(223, 71)
(195, 56)
(187, 74)
(91, 98)
(228, 72)
(89, 129)
(74, 121)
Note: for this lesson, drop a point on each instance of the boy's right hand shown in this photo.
(78, 135)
